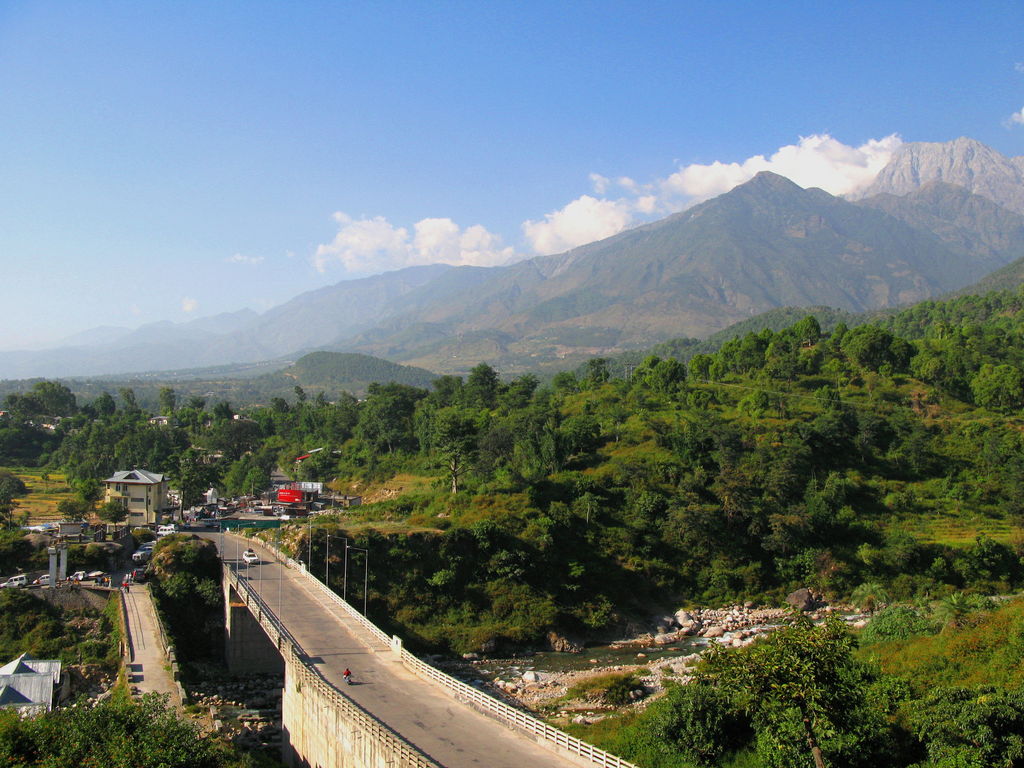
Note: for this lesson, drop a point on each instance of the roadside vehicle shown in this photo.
(21, 580)
(138, 575)
(141, 555)
(166, 530)
(250, 557)
(43, 580)
(78, 576)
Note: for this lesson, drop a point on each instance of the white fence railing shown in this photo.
(494, 708)
(309, 676)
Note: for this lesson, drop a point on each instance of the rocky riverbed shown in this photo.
(665, 653)
(246, 711)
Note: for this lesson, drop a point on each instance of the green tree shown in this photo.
(999, 387)
(113, 512)
(455, 440)
(104, 405)
(194, 476)
(168, 401)
(803, 669)
(482, 386)
(115, 732)
(808, 330)
(697, 722)
(971, 728)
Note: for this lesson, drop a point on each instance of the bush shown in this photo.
(897, 622)
(695, 722)
(113, 733)
(611, 689)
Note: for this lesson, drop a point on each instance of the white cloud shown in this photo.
(1019, 66)
(583, 220)
(375, 245)
(372, 245)
(1017, 118)
(815, 161)
(599, 183)
(241, 258)
(189, 305)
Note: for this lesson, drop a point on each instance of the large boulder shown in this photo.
(713, 632)
(802, 599)
(683, 618)
(563, 644)
(664, 623)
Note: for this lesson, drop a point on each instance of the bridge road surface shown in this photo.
(450, 733)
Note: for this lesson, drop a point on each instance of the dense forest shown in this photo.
(883, 459)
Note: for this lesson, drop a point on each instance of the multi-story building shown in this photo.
(143, 495)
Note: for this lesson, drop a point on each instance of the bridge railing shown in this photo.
(309, 676)
(480, 700)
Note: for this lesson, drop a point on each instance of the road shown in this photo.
(147, 669)
(450, 733)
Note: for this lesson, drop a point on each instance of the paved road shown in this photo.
(147, 669)
(450, 733)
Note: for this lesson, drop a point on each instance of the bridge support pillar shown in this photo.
(247, 648)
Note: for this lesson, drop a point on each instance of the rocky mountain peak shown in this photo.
(964, 162)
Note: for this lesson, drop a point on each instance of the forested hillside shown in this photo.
(881, 462)
(886, 453)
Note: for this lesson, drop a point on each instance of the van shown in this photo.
(21, 580)
(166, 530)
(141, 555)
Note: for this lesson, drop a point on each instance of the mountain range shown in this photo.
(938, 217)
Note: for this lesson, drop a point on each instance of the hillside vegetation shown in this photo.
(887, 454)
(877, 463)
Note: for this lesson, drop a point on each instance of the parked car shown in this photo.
(250, 557)
(21, 580)
(138, 575)
(43, 580)
(78, 576)
(166, 530)
(141, 555)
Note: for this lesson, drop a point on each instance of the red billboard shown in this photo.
(289, 496)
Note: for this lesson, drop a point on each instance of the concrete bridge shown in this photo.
(399, 711)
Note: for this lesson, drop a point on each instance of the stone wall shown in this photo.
(73, 598)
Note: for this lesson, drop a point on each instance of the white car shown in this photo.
(42, 580)
(16, 581)
(250, 557)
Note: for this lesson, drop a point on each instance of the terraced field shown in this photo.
(46, 489)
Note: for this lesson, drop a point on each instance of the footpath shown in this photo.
(147, 666)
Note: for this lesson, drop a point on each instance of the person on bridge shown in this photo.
(347, 674)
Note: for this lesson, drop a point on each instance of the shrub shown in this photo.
(897, 622)
(696, 722)
(611, 689)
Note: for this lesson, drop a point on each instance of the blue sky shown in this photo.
(167, 161)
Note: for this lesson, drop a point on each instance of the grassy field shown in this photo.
(956, 529)
(46, 488)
